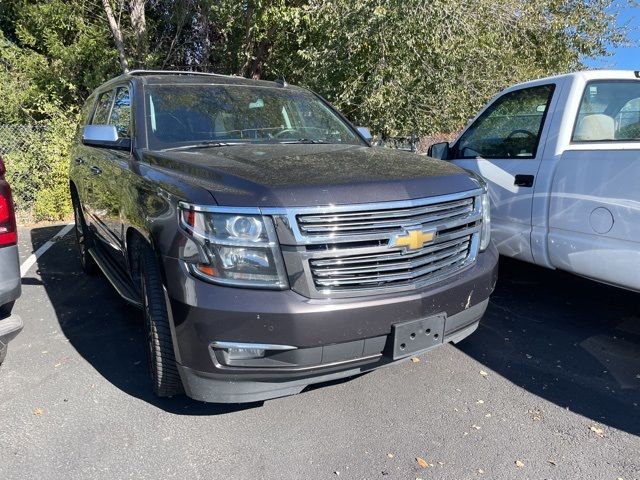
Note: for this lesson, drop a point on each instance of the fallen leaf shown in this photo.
(483, 373)
(422, 462)
(597, 430)
(38, 411)
(479, 402)
(519, 464)
(415, 359)
(390, 455)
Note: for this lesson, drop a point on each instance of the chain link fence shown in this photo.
(17, 138)
(36, 171)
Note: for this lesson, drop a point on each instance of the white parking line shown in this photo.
(29, 262)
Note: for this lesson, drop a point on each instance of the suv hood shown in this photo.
(292, 175)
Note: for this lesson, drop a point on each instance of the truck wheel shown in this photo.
(83, 238)
(159, 345)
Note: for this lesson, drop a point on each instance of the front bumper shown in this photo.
(335, 338)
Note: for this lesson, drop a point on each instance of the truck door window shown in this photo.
(609, 112)
(510, 127)
(103, 108)
(121, 113)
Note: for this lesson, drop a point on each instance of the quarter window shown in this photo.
(510, 127)
(121, 113)
(609, 112)
(103, 107)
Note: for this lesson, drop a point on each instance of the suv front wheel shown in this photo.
(159, 344)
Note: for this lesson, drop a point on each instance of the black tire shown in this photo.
(83, 238)
(159, 344)
(5, 310)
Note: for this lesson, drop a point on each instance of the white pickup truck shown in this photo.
(561, 156)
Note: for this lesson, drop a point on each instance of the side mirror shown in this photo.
(104, 136)
(439, 151)
(366, 133)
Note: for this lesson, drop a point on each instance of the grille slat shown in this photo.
(378, 279)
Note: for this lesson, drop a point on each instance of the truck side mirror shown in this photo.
(104, 136)
(366, 133)
(439, 150)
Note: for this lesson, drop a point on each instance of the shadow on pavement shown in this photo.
(569, 340)
(106, 331)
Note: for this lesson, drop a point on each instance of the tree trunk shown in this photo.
(117, 35)
(248, 41)
(139, 23)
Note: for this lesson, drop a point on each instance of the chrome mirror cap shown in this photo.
(100, 133)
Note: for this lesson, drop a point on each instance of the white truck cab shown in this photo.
(561, 157)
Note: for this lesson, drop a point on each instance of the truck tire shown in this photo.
(159, 344)
(5, 310)
(83, 237)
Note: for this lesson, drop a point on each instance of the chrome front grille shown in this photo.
(345, 251)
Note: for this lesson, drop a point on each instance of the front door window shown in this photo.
(510, 127)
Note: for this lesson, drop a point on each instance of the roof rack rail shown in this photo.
(172, 72)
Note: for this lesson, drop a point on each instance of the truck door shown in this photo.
(594, 211)
(503, 145)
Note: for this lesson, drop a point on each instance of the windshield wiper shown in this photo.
(205, 144)
(304, 140)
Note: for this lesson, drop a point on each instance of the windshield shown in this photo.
(184, 115)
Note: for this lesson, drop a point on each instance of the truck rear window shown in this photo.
(609, 112)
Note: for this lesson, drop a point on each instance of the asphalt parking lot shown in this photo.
(547, 388)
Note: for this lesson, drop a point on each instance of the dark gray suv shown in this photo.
(10, 325)
(268, 244)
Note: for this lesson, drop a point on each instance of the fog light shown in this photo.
(234, 353)
(244, 353)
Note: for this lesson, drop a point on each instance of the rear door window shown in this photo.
(609, 112)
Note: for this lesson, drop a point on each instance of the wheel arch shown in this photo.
(135, 237)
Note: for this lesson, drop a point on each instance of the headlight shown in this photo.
(240, 249)
(485, 233)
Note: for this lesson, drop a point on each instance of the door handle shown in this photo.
(79, 161)
(95, 170)
(524, 181)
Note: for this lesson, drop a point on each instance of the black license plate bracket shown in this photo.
(417, 335)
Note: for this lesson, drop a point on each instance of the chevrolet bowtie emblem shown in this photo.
(412, 239)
